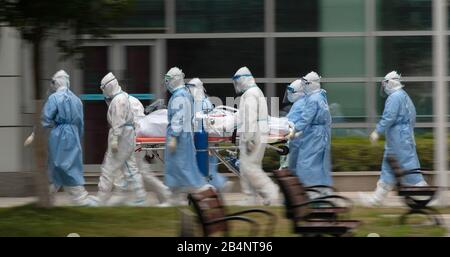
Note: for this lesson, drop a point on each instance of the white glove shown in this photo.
(115, 144)
(374, 137)
(29, 140)
(291, 134)
(172, 144)
(291, 129)
(250, 146)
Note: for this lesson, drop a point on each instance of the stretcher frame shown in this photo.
(155, 144)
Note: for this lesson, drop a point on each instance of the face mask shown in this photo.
(167, 80)
(238, 88)
(235, 85)
(291, 95)
(389, 89)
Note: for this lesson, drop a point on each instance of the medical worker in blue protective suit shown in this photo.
(119, 156)
(397, 123)
(202, 107)
(181, 171)
(314, 128)
(296, 95)
(63, 114)
(253, 131)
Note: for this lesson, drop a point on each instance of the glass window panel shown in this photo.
(95, 66)
(198, 16)
(220, 92)
(216, 58)
(144, 14)
(137, 73)
(95, 131)
(296, 56)
(410, 56)
(294, 15)
(324, 15)
(342, 15)
(347, 101)
(342, 57)
(404, 14)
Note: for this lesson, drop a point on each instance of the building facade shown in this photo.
(352, 44)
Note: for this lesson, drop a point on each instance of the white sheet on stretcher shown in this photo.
(220, 122)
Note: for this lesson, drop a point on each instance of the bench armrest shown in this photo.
(254, 225)
(312, 190)
(345, 199)
(312, 202)
(321, 186)
(272, 218)
(408, 172)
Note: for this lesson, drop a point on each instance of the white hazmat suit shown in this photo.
(253, 131)
(161, 190)
(119, 155)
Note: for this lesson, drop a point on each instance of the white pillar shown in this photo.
(116, 60)
(170, 14)
(269, 55)
(440, 95)
(158, 68)
(370, 61)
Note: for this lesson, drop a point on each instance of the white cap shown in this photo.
(109, 85)
(312, 82)
(174, 79)
(60, 79)
(196, 88)
(243, 80)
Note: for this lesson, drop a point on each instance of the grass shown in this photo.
(133, 221)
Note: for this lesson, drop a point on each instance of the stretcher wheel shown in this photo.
(284, 150)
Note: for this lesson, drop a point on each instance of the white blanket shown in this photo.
(153, 124)
(220, 122)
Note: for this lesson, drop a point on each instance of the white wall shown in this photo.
(11, 149)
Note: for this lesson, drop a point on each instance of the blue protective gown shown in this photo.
(181, 170)
(63, 113)
(397, 122)
(294, 144)
(314, 159)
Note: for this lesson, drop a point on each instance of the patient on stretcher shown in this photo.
(220, 122)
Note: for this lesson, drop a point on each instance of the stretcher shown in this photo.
(155, 144)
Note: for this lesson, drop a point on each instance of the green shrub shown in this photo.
(357, 154)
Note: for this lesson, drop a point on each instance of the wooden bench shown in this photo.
(317, 216)
(213, 218)
(334, 204)
(416, 198)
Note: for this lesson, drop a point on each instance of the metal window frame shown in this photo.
(440, 78)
